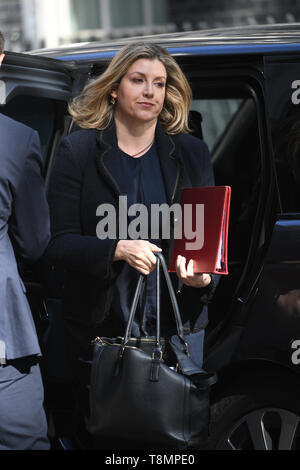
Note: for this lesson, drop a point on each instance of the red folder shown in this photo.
(202, 229)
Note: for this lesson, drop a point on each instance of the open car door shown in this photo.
(35, 91)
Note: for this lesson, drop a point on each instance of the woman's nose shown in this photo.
(148, 90)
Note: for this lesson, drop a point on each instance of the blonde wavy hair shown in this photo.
(93, 107)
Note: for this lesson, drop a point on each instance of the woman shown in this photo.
(134, 142)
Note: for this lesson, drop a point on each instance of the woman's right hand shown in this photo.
(137, 253)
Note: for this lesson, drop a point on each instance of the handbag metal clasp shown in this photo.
(187, 349)
(154, 354)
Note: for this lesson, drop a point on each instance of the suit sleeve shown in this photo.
(69, 248)
(29, 225)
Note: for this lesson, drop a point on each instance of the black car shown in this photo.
(246, 95)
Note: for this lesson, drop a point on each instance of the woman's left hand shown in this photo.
(187, 275)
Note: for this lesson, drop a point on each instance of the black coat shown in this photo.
(83, 177)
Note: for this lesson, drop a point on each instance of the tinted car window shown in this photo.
(216, 114)
(283, 103)
(35, 112)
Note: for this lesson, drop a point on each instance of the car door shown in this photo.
(35, 91)
(277, 305)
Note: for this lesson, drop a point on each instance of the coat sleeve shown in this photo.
(202, 174)
(200, 169)
(29, 225)
(69, 248)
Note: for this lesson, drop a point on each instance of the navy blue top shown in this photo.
(141, 181)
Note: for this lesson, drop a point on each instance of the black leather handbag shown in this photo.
(137, 395)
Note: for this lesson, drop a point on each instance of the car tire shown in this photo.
(259, 412)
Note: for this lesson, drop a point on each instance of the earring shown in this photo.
(112, 100)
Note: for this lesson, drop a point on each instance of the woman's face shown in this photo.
(141, 92)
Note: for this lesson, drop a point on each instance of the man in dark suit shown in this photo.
(24, 231)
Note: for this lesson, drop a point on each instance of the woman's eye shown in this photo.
(160, 84)
(137, 80)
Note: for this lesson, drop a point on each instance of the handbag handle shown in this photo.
(141, 280)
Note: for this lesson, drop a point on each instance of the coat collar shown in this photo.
(170, 165)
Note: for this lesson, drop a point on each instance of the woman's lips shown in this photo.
(145, 104)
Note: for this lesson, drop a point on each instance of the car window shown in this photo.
(38, 113)
(216, 115)
(283, 108)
